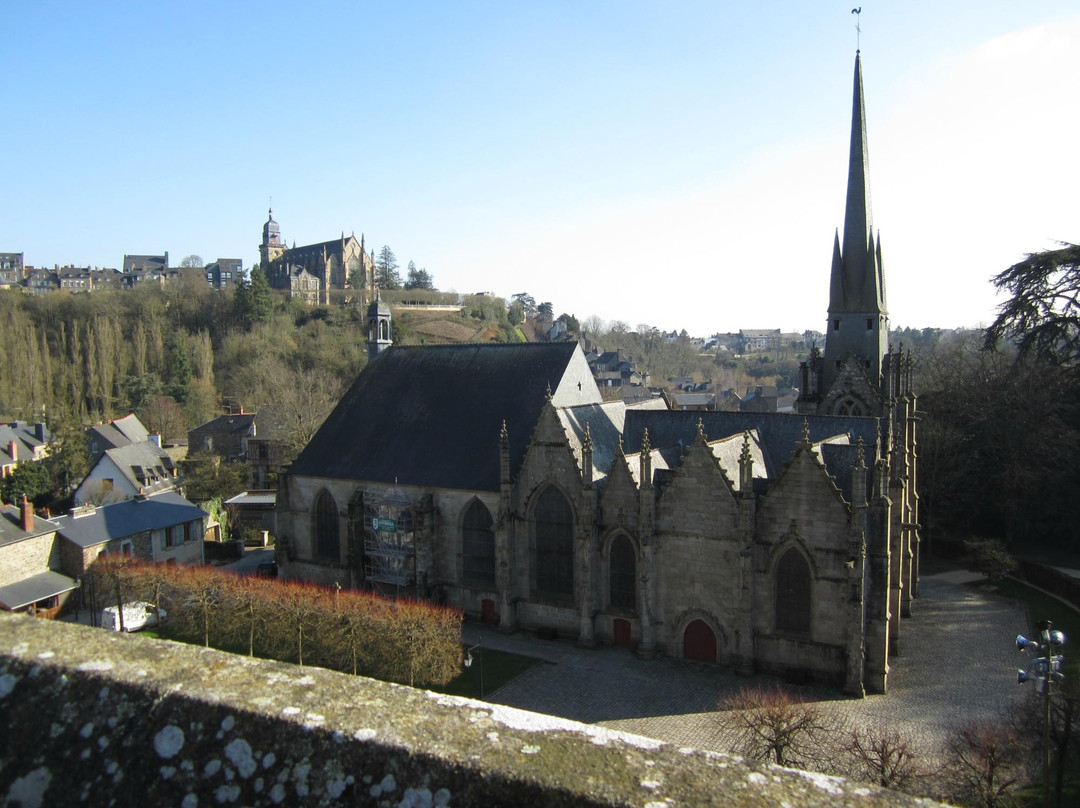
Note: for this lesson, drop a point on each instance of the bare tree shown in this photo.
(191, 261)
(113, 578)
(302, 401)
(247, 603)
(300, 607)
(200, 596)
(986, 762)
(593, 325)
(164, 416)
(354, 619)
(771, 723)
(880, 754)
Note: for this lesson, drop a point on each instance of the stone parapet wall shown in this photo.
(94, 717)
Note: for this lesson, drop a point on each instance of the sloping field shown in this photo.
(438, 327)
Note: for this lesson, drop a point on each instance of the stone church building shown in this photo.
(495, 478)
(315, 271)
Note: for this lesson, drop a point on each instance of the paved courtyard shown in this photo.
(958, 661)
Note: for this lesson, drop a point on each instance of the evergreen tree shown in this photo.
(418, 278)
(254, 301)
(386, 268)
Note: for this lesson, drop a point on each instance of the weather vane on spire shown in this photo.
(858, 29)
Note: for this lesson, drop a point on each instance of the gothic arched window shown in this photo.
(327, 544)
(477, 546)
(622, 574)
(793, 593)
(554, 545)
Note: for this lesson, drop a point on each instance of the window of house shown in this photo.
(477, 546)
(835, 325)
(327, 545)
(554, 546)
(174, 536)
(793, 593)
(622, 574)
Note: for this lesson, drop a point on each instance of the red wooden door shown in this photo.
(622, 633)
(699, 642)
(487, 611)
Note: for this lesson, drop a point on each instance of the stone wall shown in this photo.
(95, 717)
(30, 556)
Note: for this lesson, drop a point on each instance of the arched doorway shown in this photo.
(699, 642)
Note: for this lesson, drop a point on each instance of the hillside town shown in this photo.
(321, 460)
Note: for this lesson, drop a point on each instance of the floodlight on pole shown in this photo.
(1044, 669)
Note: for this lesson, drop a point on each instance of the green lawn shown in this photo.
(499, 667)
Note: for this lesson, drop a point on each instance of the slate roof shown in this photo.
(226, 425)
(25, 435)
(118, 432)
(22, 593)
(254, 499)
(133, 263)
(127, 518)
(431, 415)
(144, 465)
(777, 434)
(11, 525)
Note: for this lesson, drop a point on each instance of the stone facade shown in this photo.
(762, 541)
(315, 272)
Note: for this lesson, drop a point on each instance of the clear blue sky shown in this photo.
(680, 164)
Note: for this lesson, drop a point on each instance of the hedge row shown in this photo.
(404, 641)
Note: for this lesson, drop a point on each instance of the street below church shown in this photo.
(958, 662)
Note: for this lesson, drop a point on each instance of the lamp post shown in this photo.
(1045, 669)
(479, 648)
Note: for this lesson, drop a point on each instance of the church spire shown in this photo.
(858, 319)
(859, 287)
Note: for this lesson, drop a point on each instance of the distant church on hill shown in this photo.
(495, 478)
(314, 272)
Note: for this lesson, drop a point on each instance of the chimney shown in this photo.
(13, 450)
(155, 438)
(39, 431)
(27, 515)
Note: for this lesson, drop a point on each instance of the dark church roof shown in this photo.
(431, 415)
(778, 432)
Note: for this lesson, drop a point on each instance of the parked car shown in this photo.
(137, 614)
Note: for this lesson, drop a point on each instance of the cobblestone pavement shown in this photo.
(958, 661)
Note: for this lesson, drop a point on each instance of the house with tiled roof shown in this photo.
(225, 435)
(114, 434)
(21, 442)
(31, 570)
(125, 460)
(43, 560)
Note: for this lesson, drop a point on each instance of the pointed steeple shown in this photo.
(858, 287)
(858, 318)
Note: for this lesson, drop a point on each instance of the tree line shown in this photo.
(409, 642)
(983, 763)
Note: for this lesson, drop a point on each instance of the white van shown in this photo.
(138, 614)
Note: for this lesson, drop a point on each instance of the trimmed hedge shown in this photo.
(406, 641)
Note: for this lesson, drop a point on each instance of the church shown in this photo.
(494, 478)
(315, 272)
